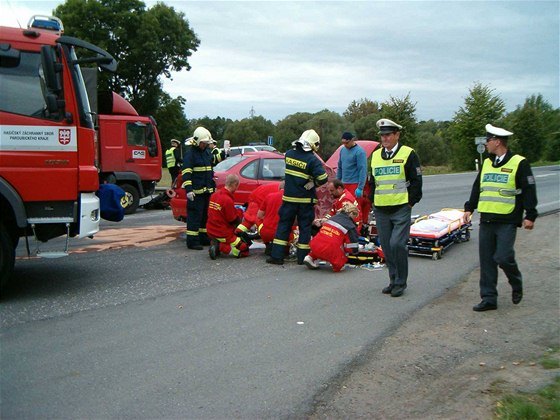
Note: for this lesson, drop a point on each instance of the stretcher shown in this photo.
(433, 234)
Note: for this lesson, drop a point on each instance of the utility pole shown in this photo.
(252, 112)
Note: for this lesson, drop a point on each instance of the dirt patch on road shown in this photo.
(450, 362)
(129, 237)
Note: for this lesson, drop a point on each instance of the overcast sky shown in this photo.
(280, 57)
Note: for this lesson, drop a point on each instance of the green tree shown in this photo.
(254, 129)
(175, 126)
(290, 128)
(148, 44)
(533, 125)
(217, 126)
(366, 128)
(330, 126)
(481, 107)
(552, 148)
(360, 109)
(431, 149)
(402, 111)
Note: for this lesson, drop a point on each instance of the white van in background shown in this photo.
(240, 150)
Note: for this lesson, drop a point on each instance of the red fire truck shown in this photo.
(48, 177)
(129, 149)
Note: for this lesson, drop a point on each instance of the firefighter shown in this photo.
(198, 182)
(304, 172)
(173, 159)
(396, 187)
(502, 192)
(223, 218)
(268, 214)
(254, 203)
(337, 235)
(341, 196)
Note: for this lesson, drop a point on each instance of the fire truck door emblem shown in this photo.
(64, 136)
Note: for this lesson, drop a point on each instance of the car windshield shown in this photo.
(230, 163)
(267, 148)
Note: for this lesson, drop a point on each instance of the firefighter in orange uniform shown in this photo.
(341, 196)
(223, 218)
(268, 214)
(256, 199)
(337, 236)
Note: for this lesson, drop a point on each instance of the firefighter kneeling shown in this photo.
(223, 218)
(337, 236)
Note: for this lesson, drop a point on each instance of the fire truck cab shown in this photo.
(48, 177)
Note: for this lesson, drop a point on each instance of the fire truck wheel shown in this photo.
(131, 198)
(7, 256)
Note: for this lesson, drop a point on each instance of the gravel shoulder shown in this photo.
(449, 362)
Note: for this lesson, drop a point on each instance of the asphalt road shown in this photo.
(135, 328)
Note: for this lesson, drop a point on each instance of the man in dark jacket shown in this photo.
(304, 172)
(503, 190)
(198, 182)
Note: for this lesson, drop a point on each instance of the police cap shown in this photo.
(387, 126)
(492, 131)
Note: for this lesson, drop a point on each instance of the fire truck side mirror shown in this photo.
(52, 103)
(51, 69)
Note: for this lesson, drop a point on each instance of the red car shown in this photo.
(257, 168)
(253, 169)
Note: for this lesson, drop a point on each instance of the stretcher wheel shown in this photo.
(436, 255)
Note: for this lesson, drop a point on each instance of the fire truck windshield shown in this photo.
(21, 85)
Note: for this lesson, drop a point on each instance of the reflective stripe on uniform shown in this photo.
(305, 200)
(391, 186)
(298, 174)
(497, 186)
(201, 168)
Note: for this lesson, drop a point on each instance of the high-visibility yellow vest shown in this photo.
(170, 157)
(390, 178)
(497, 186)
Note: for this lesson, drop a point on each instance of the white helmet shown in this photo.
(202, 135)
(309, 140)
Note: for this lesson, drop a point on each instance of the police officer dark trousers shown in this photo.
(503, 190)
(397, 186)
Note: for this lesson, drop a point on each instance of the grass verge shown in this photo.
(542, 404)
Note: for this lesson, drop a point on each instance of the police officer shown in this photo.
(198, 182)
(304, 172)
(396, 187)
(218, 154)
(503, 190)
(173, 159)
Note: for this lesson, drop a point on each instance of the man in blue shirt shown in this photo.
(352, 171)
